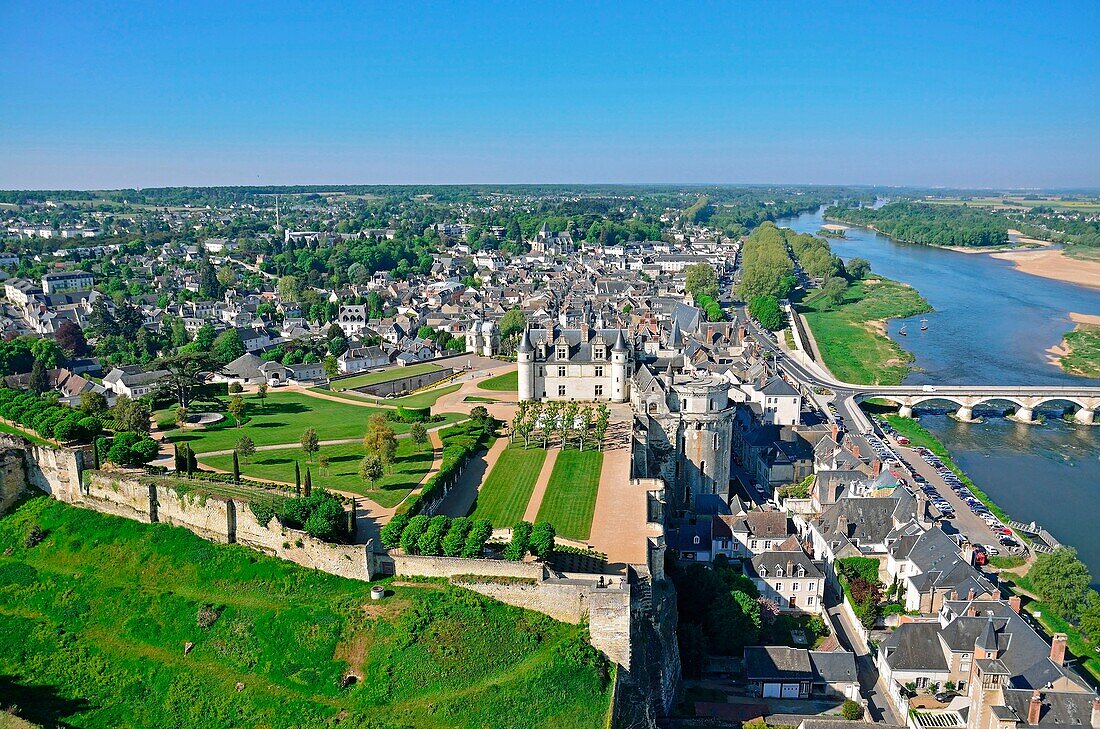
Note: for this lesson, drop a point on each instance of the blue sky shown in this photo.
(168, 93)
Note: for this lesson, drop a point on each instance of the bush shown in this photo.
(456, 536)
(431, 541)
(131, 449)
(208, 615)
(235, 388)
(542, 540)
(410, 537)
(413, 415)
(34, 536)
(521, 542)
(320, 515)
(851, 710)
(480, 531)
(390, 535)
(263, 512)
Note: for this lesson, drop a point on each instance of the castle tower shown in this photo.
(620, 357)
(525, 356)
(705, 437)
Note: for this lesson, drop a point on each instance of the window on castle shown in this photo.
(563, 352)
(715, 441)
(599, 353)
(599, 370)
(653, 407)
(561, 390)
(561, 372)
(599, 390)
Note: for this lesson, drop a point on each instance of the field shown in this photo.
(393, 373)
(343, 473)
(1081, 206)
(853, 347)
(94, 620)
(282, 419)
(1084, 351)
(508, 382)
(504, 495)
(570, 498)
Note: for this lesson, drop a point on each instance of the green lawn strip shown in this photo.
(508, 382)
(570, 498)
(504, 495)
(479, 398)
(423, 399)
(94, 618)
(851, 347)
(343, 472)
(282, 419)
(918, 436)
(28, 434)
(1084, 355)
(393, 373)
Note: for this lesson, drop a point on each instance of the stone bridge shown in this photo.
(1026, 400)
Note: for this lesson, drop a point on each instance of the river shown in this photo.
(994, 325)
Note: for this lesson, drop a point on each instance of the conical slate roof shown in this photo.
(525, 343)
(620, 342)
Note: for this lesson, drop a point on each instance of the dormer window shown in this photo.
(563, 351)
(801, 571)
(763, 571)
(599, 352)
(696, 539)
(779, 572)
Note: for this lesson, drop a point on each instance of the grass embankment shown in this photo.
(281, 420)
(851, 336)
(504, 495)
(1083, 345)
(918, 436)
(393, 373)
(508, 382)
(412, 462)
(570, 498)
(29, 435)
(95, 617)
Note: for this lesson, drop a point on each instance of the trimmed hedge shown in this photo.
(46, 418)
(460, 442)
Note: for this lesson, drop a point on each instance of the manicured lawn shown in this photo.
(854, 349)
(504, 495)
(282, 419)
(478, 398)
(393, 373)
(508, 382)
(570, 498)
(343, 472)
(94, 619)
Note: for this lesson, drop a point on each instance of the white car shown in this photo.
(927, 388)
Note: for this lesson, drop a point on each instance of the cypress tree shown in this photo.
(236, 469)
(297, 480)
(309, 483)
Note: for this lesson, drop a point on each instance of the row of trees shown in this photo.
(945, 225)
(464, 537)
(571, 422)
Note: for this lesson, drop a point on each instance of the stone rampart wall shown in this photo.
(131, 495)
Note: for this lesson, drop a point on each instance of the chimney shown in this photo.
(1034, 706)
(876, 468)
(790, 569)
(970, 594)
(1058, 649)
(855, 449)
(972, 611)
(1096, 712)
(1014, 603)
(968, 553)
(835, 430)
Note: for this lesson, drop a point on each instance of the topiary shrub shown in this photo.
(521, 542)
(851, 710)
(390, 535)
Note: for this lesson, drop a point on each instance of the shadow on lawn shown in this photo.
(39, 704)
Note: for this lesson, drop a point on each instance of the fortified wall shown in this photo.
(60, 472)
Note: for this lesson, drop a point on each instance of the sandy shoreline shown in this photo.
(1054, 264)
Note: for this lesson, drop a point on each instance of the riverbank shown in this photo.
(1023, 243)
(1079, 351)
(851, 336)
(1015, 582)
(1054, 264)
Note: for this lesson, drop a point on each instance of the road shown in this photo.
(871, 685)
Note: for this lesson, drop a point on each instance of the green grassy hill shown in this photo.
(96, 611)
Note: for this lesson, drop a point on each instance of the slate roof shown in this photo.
(1059, 708)
(773, 662)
